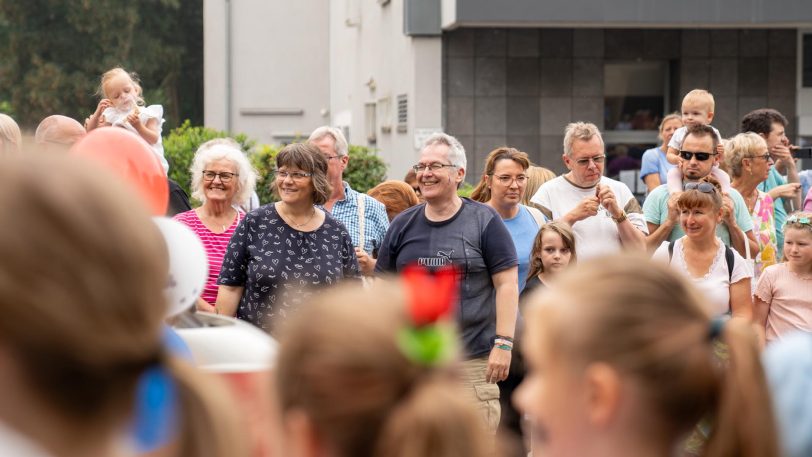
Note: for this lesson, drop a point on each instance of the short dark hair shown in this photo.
(761, 121)
(701, 130)
(307, 157)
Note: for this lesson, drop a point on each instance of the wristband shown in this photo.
(504, 338)
(504, 347)
(620, 218)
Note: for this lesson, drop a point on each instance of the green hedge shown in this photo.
(365, 169)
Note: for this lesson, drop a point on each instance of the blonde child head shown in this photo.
(798, 237)
(622, 350)
(698, 107)
(121, 87)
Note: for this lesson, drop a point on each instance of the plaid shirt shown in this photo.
(376, 222)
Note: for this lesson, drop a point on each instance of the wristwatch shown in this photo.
(620, 218)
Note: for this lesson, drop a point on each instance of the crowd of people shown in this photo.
(649, 341)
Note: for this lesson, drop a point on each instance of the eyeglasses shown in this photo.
(765, 156)
(225, 176)
(295, 175)
(507, 180)
(700, 156)
(704, 187)
(585, 161)
(332, 157)
(420, 168)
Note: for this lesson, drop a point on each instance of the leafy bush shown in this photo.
(264, 160)
(365, 169)
(180, 146)
(465, 190)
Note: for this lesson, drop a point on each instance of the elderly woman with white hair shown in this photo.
(223, 179)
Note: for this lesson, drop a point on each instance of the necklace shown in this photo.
(295, 225)
(212, 220)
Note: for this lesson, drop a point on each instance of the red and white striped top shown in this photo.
(215, 245)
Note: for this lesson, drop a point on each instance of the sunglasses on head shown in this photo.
(700, 156)
(704, 187)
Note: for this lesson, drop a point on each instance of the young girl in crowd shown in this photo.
(350, 383)
(81, 347)
(621, 361)
(123, 106)
(553, 251)
(783, 296)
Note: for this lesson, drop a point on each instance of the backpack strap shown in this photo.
(670, 250)
(729, 259)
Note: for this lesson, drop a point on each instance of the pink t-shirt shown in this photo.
(215, 245)
(790, 299)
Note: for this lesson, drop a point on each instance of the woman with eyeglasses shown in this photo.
(502, 187)
(748, 162)
(281, 252)
(223, 179)
(717, 270)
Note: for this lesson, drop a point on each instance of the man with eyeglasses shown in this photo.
(448, 231)
(364, 217)
(603, 212)
(698, 156)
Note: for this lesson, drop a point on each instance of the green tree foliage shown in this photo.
(53, 52)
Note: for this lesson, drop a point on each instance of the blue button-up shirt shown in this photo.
(376, 222)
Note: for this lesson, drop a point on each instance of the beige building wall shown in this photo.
(373, 65)
(266, 67)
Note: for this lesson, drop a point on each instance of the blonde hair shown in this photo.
(396, 196)
(84, 335)
(794, 221)
(10, 134)
(482, 192)
(702, 97)
(345, 342)
(668, 118)
(741, 147)
(694, 198)
(582, 131)
(118, 71)
(567, 236)
(649, 324)
(536, 176)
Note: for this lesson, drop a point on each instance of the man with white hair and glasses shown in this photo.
(364, 217)
(603, 213)
(447, 231)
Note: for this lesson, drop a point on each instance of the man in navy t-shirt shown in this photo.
(449, 230)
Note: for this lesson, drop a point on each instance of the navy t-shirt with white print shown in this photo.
(476, 241)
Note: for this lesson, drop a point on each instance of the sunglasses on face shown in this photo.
(704, 187)
(700, 156)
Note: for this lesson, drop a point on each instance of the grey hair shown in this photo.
(456, 153)
(583, 131)
(223, 149)
(342, 148)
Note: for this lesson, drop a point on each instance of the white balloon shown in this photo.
(188, 265)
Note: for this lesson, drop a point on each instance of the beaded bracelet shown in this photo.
(501, 341)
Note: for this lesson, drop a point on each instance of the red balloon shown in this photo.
(129, 157)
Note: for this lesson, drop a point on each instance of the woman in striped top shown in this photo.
(223, 179)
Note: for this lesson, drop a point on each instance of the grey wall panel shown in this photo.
(700, 13)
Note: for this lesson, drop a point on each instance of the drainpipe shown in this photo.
(228, 61)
